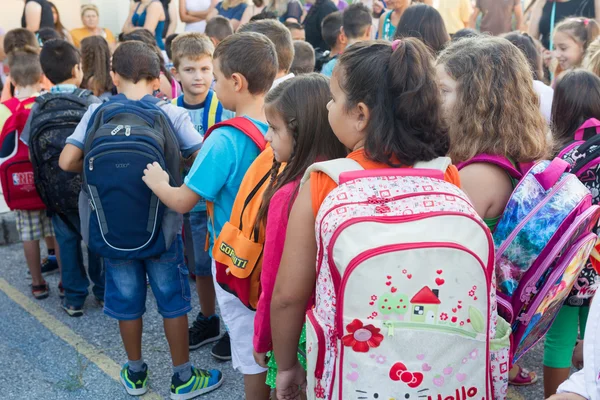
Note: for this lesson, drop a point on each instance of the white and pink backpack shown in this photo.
(405, 302)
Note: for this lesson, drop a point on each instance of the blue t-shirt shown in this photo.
(196, 113)
(232, 12)
(327, 69)
(219, 169)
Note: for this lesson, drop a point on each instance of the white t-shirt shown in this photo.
(546, 94)
(197, 5)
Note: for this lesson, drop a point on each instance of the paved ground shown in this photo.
(47, 355)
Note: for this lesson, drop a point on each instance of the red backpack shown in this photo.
(16, 171)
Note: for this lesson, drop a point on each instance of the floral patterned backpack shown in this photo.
(405, 301)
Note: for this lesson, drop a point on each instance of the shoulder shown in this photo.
(172, 110)
(155, 6)
(487, 183)
(33, 5)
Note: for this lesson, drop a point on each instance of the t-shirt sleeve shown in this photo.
(78, 137)
(212, 166)
(190, 140)
(294, 10)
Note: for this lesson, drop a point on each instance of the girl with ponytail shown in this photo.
(95, 58)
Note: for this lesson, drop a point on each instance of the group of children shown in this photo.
(379, 104)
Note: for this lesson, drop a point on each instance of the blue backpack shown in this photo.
(121, 218)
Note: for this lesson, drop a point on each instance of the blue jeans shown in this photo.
(74, 278)
(126, 285)
(202, 260)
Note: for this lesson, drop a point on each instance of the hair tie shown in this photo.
(586, 22)
(395, 44)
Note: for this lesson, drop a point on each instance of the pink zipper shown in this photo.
(531, 214)
(335, 274)
(356, 261)
(320, 343)
(507, 306)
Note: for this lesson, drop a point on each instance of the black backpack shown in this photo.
(55, 119)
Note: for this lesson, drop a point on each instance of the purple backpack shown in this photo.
(543, 241)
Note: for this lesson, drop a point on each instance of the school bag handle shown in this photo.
(590, 123)
(389, 172)
(552, 173)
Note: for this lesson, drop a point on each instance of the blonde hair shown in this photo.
(497, 110)
(591, 62)
(227, 4)
(581, 30)
(89, 7)
(192, 45)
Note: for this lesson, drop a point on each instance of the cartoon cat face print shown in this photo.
(400, 395)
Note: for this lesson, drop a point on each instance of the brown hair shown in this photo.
(497, 110)
(576, 99)
(304, 58)
(279, 35)
(591, 62)
(252, 55)
(135, 60)
(95, 62)
(58, 26)
(145, 36)
(19, 38)
(424, 22)
(218, 28)
(526, 44)
(192, 45)
(24, 65)
(582, 30)
(399, 88)
(301, 102)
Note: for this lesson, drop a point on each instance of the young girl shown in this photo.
(385, 107)
(576, 99)
(491, 108)
(426, 23)
(571, 40)
(389, 20)
(95, 59)
(300, 135)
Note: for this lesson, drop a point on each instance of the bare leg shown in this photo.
(176, 331)
(50, 243)
(256, 388)
(31, 248)
(553, 377)
(205, 288)
(131, 333)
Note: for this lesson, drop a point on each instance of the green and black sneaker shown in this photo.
(136, 383)
(200, 382)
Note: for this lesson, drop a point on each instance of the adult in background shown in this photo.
(90, 17)
(497, 16)
(233, 10)
(257, 7)
(456, 13)
(195, 13)
(37, 14)
(58, 26)
(541, 24)
(312, 23)
(147, 14)
(389, 19)
(286, 10)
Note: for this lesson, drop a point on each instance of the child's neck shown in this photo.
(72, 81)
(25, 92)
(135, 91)
(355, 40)
(194, 100)
(251, 106)
(281, 74)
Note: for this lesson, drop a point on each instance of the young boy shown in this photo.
(218, 28)
(33, 225)
(282, 39)
(304, 58)
(356, 26)
(61, 64)
(136, 74)
(333, 35)
(192, 58)
(245, 66)
(296, 29)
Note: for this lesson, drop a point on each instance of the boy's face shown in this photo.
(298, 34)
(195, 76)
(78, 74)
(224, 87)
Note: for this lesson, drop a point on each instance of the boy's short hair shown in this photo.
(169, 43)
(135, 60)
(331, 28)
(218, 28)
(191, 45)
(142, 35)
(263, 15)
(293, 25)
(58, 58)
(279, 35)
(252, 55)
(356, 19)
(19, 38)
(304, 58)
(24, 65)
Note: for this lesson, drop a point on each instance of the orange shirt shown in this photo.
(321, 184)
(46, 85)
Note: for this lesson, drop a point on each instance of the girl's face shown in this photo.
(347, 125)
(395, 4)
(279, 136)
(448, 90)
(55, 14)
(90, 19)
(568, 51)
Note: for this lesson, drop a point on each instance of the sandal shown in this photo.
(523, 377)
(40, 292)
(72, 310)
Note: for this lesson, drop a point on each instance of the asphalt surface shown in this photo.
(45, 354)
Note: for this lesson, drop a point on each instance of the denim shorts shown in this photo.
(125, 297)
(202, 260)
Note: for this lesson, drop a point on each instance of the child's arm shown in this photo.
(71, 159)
(180, 199)
(573, 388)
(518, 11)
(293, 289)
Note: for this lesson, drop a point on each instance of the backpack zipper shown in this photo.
(91, 163)
(116, 130)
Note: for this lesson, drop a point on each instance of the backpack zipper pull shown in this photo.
(91, 163)
(127, 130)
(116, 130)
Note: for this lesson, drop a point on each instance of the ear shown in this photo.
(75, 71)
(214, 41)
(239, 82)
(342, 38)
(369, 32)
(115, 78)
(363, 116)
(155, 84)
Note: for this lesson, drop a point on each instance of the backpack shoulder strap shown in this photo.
(244, 125)
(333, 168)
(440, 164)
(13, 104)
(498, 161)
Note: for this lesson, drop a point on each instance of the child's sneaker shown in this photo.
(222, 350)
(201, 382)
(135, 383)
(72, 311)
(204, 330)
(49, 266)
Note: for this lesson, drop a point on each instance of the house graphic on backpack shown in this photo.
(425, 306)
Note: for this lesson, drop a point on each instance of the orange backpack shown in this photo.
(238, 249)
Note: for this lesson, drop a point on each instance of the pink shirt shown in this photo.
(277, 221)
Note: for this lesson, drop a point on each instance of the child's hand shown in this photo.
(291, 383)
(261, 359)
(566, 396)
(154, 175)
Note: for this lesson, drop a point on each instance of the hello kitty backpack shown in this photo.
(405, 302)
